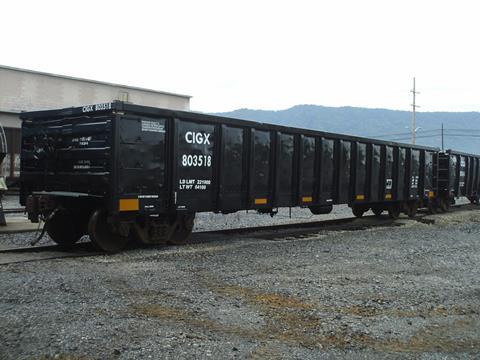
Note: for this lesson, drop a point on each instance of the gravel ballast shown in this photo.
(406, 291)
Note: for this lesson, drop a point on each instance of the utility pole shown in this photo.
(442, 136)
(414, 106)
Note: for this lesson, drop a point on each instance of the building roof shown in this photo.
(91, 81)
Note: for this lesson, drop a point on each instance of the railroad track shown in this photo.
(290, 231)
(345, 223)
(14, 210)
(12, 255)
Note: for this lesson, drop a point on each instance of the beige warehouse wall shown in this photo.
(9, 120)
(23, 90)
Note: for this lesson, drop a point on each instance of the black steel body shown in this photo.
(181, 161)
(150, 166)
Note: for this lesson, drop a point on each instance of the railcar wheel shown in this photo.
(358, 211)
(412, 209)
(150, 232)
(377, 211)
(394, 211)
(102, 234)
(63, 229)
(181, 229)
(444, 205)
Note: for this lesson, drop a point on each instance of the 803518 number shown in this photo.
(196, 160)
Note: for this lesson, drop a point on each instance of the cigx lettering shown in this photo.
(193, 137)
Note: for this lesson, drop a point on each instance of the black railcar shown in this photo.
(119, 170)
(459, 175)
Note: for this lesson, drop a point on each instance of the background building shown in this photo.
(26, 90)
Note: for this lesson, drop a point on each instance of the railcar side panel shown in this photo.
(260, 177)
(375, 189)
(400, 173)
(453, 170)
(67, 154)
(327, 172)
(428, 174)
(307, 170)
(468, 175)
(462, 168)
(142, 155)
(233, 184)
(360, 160)
(344, 171)
(193, 165)
(284, 169)
(390, 174)
(414, 174)
(475, 177)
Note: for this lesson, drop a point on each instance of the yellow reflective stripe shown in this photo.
(129, 205)
(388, 196)
(307, 199)
(360, 197)
(261, 201)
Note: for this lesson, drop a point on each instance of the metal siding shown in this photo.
(142, 160)
(344, 174)
(260, 185)
(284, 161)
(462, 176)
(375, 173)
(414, 169)
(360, 172)
(307, 167)
(401, 174)
(390, 178)
(232, 177)
(477, 173)
(68, 154)
(428, 172)
(327, 170)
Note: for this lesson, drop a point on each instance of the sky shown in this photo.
(258, 54)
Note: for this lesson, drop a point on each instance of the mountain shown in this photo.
(462, 129)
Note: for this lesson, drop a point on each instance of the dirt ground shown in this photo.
(410, 291)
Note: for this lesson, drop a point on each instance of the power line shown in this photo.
(418, 137)
(463, 129)
(404, 133)
(419, 131)
(436, 135)
(463, 135)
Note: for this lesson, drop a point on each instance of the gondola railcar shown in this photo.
(117, 171)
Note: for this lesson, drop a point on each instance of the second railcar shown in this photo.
(459, 175)
(120, 170)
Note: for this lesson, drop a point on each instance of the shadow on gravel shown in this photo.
(292, 321)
